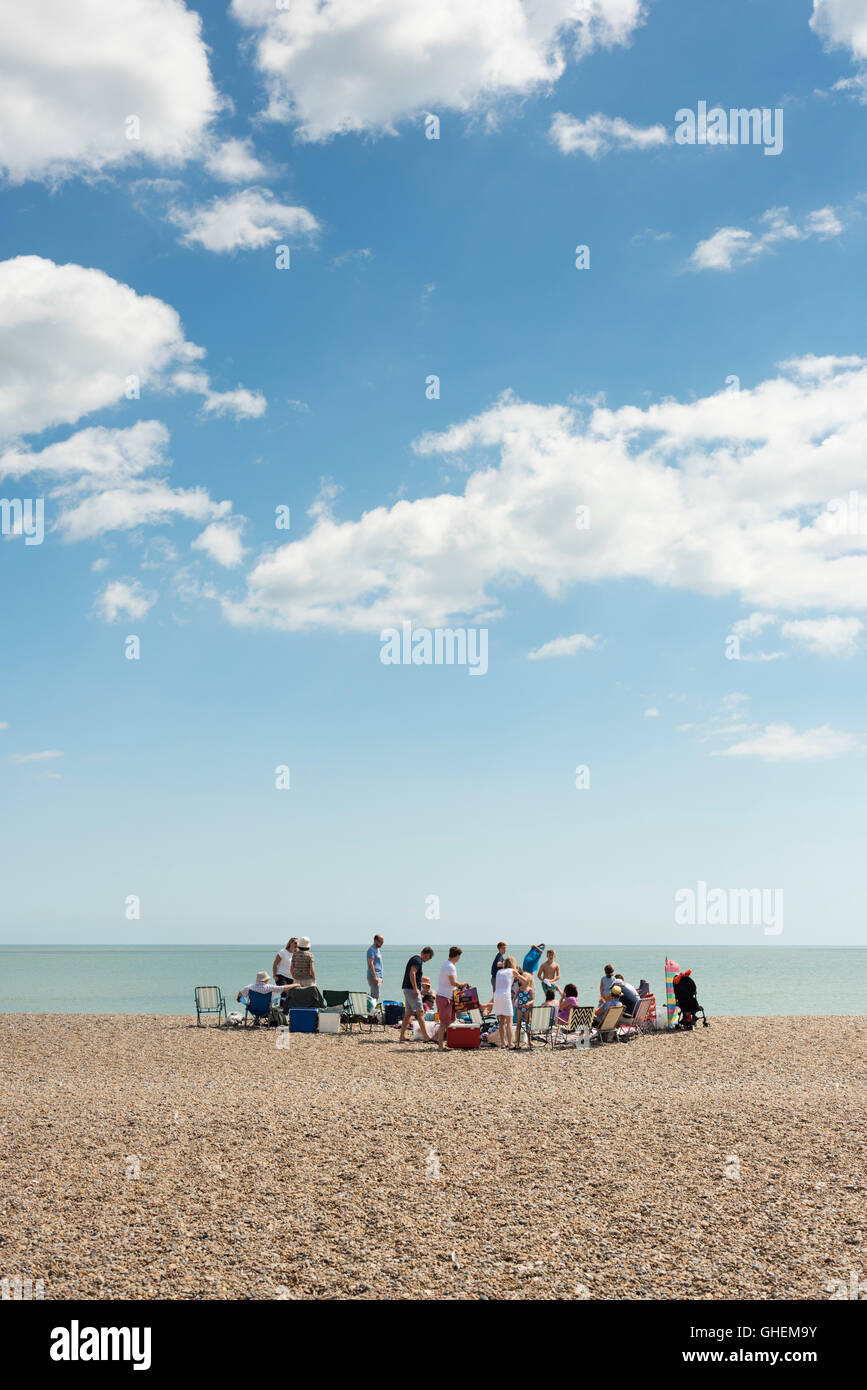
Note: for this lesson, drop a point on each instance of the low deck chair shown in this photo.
(609, 1024)
(576, 1030)
(209, 1000)
(541, 1023)
(257, 1007)
(335, 998)
(640, 1020)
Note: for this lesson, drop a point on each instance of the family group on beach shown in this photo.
(512, 988)
(428, 1014)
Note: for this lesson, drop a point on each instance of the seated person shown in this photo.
(262, 986)
(430, 1005)
(569, 1001)
(613, 999)
(551, 998)
(631, 997)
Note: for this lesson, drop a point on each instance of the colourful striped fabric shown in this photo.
(671, 969)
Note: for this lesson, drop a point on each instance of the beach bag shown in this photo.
(275, 1018)
(466, 998)
(463, 1035)
(393, 1012)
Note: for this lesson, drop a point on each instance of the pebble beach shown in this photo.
(142, 1157)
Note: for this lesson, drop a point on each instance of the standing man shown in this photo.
(498, 963)
(374, 967)
(413, 1006)
(448, 983)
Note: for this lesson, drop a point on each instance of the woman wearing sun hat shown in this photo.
(303, 968)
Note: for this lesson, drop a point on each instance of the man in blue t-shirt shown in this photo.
(498, 963)
(532, 958)
(374, 967)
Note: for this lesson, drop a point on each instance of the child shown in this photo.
(523, 1006)
(568, 1003)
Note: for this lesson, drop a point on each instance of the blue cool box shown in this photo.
(303, 1020)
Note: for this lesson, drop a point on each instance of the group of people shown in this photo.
(513, 991)
(294, 968)
(430, 1013)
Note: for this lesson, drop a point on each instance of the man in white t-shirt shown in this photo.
(446, 985)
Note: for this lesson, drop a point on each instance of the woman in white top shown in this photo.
(282, 966)
(503, 1000)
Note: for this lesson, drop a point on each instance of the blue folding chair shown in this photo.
(258, 1006)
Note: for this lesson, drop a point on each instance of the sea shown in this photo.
(749, 981)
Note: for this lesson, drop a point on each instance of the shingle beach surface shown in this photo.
(141, 1157)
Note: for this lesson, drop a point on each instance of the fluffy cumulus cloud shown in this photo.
(727, 494)
(222, 541)
(235, 161)
(73, 340)
(841, 24)
(733, 246)
(564, 646)
(72, 76)
(598, 134)
(354, 65)
(124, 598)
(244, 221)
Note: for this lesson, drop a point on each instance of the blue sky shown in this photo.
(606, 387)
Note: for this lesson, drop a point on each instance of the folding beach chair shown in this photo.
(610, 1023)
(576, 1029)
(357, 1010)
(209, 1000)
(258, 1006)
(541, 1023)
(335, 998)
(485, 1022)
(640, 1020)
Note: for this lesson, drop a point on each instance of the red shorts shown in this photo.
(446, 1010)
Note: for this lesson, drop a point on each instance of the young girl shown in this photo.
(523, 1006)
(569, 1001)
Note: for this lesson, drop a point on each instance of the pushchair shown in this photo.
(686, 998)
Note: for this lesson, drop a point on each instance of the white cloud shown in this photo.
(124, 599)
(243, 404)
(243, 221)
(103, 481)
(564, 646)
(652, 713)
(46, 756)
(355, 65)
(235, 161)
(781, 743)
(830, 636)
(71, 75)
(841, 24)
(733, 246)
(362, 255)
(222, 542)
(73, 340)
(719, 495)
(598, 134)
(140, 504)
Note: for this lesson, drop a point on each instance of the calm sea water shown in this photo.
(161, 979)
